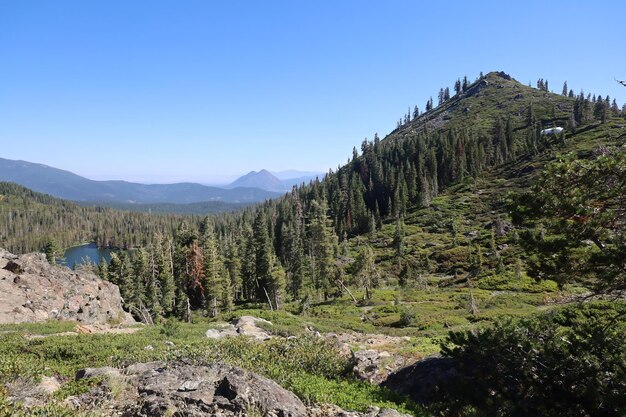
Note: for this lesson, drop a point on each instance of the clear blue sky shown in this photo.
(163, 91)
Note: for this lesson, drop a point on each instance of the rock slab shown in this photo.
(166, 389)
(32, 290)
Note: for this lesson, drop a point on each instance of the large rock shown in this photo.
(32, 290)
(423, 380)
(373, 366)
(166, 389)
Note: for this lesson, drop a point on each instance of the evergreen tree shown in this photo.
(322, 249)
(52, 251)
(366, 272)
(213, 271)
(264, 257)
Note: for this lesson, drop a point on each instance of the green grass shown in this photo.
(308, 366)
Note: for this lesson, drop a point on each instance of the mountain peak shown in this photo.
(477, 106)
(263, 179)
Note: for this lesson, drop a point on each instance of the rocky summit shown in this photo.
(32, 290)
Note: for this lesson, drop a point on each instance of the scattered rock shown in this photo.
(373, 366)
(94, 372)
(31, 393)
(49, 385)
(242, 326)
(329, 410)
(14, 267)
(32, 290)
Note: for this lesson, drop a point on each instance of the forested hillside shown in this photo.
(29, 220)
(429, 202)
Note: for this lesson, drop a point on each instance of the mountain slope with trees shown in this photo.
(427, 203)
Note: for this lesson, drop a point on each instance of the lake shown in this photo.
(79, 254)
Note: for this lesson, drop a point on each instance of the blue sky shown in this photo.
(164, 91)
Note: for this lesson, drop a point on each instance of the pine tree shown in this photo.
(277, 284)
(52, 251)
(323, 248)
(264, 257)
(366, 272)
(213, 270)
(232, 266)
(600, 110)
(248, 267)
(398, 239)
(164, 262)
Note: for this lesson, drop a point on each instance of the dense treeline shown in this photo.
(30, 220)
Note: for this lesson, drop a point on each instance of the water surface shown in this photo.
(78, 255)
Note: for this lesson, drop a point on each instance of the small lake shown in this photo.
(79, 254)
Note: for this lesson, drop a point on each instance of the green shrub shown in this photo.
(170, 327)
(564, 363)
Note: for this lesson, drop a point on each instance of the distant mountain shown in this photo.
(262, 179)
(267, 180)
(67, 185)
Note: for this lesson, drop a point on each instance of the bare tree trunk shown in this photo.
(269, 301)
(342, 285)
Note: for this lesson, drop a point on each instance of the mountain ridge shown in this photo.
(67, 185)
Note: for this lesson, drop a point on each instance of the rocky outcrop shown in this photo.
(423, 380)
(372, 355)
(32, 290)
(374, 366)
(242, 326)
(217, 390)
(175, 388)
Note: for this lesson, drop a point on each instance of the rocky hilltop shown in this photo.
(32, 290)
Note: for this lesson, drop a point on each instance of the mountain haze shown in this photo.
(67, 185)
(262, 179)
(279, 182)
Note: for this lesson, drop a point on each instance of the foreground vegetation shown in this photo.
(568, 361)
(308, 366)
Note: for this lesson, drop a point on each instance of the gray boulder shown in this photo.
(32, 290)
(218, 390)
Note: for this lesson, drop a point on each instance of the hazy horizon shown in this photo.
(205, 92)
